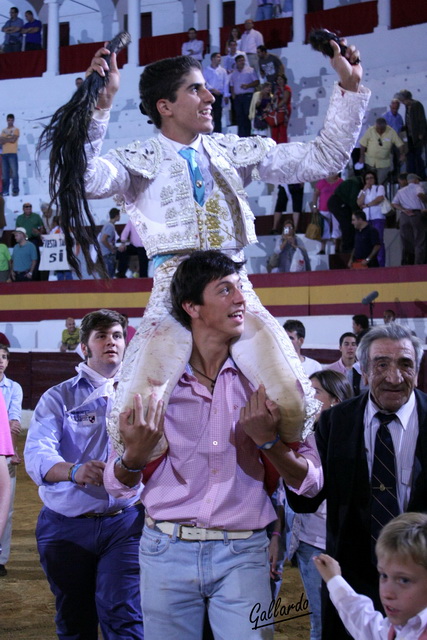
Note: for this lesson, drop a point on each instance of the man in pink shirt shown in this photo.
(204, 545)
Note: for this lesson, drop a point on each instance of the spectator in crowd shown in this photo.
(47, 217)
(12, 28)
(323, 190)
(360, 326)
(402, 567)
(242, 83)
(107, 240)
(282, 110)
(193, 47)
(236, 36)
(290, 254)
(270, 66)
(296, 191)
(229, 61)
(346, 439)
(12, 394)
(395, 121)
(33, 32)
(24, 257)
(131, 245)
(411, 200)
(78, 82)
(217, 82)
(2, 216)
(342, 203)
(367, 243)
(376, 148)
(9, 141)
(87, 540)
(260, 105)
(296, 332)
(264, 10)
(389, 316)
(416, 131)
(346, 364)
(32, 223)
(369, 200)
(393, 117)
(5, 263)
(6, 450)
(250, 41)
(70, 336)
(306, 532)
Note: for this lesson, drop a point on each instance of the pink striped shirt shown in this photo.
(212, 475)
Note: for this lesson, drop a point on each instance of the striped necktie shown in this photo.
(189, 154)
(384, 505)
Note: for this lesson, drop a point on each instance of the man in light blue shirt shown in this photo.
(87, 540)
(217, 83)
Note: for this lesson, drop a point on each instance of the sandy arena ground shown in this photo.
(26, 604)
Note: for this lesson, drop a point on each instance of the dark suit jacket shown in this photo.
(340, 440)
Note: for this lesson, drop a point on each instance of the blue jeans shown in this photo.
(180, 580)
(242, 102)
(264, 12)
(312, 584)
(110, 264)
(92, 568)
(10, 169)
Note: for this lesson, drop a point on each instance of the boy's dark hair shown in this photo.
(102, 319)
(10, 115)
(161, 80)
(295, 325)
(361, 320)
(4, 347)
(358, 213)
(114, 212)
(193, 275)
(347, 334)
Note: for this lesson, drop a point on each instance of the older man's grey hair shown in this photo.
(393, 331)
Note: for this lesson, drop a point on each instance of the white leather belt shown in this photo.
(190, 533)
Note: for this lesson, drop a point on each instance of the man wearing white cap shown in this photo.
(24, 257)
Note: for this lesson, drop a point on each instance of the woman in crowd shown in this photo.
(321, 194)
(282, 110)
(369, 200)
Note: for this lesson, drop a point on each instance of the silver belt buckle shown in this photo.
(191, 534)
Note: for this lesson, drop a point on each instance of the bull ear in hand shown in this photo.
(65, 137)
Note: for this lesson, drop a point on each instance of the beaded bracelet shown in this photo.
(72, 473)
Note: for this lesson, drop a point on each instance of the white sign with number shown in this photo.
(53, 253)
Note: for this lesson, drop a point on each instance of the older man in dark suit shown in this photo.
(346, 438)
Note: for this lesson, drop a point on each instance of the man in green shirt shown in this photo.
(5, 263)
(32, 223)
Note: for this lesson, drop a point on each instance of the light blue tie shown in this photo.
(196, 175)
